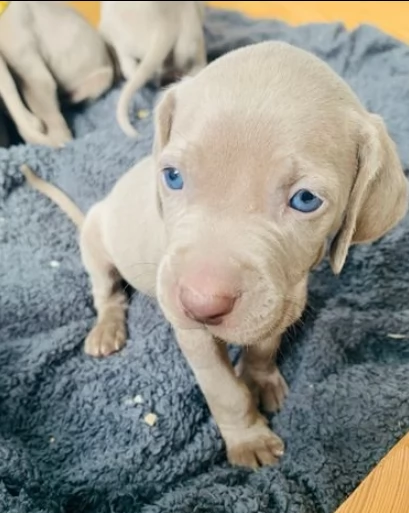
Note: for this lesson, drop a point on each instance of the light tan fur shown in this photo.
(53, 50)
(29, 127)
(152, 39)
(227, 256)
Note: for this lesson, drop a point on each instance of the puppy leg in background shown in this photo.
(188, 60)
(248, 439)
(109, 332)
(190, 51)
(40, 93)
(29, 127)
(127, 64)
(258, 368)
(162, 43)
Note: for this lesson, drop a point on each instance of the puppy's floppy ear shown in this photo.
(378, 199)
(164, 113)
(163, 116)
(163, 120)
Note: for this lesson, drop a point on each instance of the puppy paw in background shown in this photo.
(52, 52)
(163, 40)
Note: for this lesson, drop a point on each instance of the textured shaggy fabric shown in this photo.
(72, 439)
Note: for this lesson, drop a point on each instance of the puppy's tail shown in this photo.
(161, 46)
(54, 194)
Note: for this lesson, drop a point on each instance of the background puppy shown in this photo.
(225, 221)
(51, 48)
(151, 39)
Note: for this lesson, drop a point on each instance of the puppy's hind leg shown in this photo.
(109, 333)
(39, 90)
(128, 65)
(190, 51)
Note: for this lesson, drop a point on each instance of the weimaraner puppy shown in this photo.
(52, 49)
(247, 183)
(152, 39)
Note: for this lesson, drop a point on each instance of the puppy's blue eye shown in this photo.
(305, 201)
(173, 178)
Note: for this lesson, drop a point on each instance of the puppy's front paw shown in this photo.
(254, 446)
(106, 337)
(268, 387)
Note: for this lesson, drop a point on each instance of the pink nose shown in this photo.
(209, 309)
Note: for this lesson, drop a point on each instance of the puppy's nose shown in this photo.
(209, 309)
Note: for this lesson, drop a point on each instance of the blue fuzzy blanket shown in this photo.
(72, 435)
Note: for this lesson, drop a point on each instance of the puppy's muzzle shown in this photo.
(206, 298)
(204, 308)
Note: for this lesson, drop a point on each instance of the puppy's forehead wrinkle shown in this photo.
(222, 136)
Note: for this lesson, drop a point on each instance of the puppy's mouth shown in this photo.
(243, 322)
(216, 320)
(209, 311)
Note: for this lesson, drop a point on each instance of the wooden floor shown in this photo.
(386, 489)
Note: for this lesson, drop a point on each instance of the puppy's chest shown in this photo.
(135, 242)
(137, 264)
